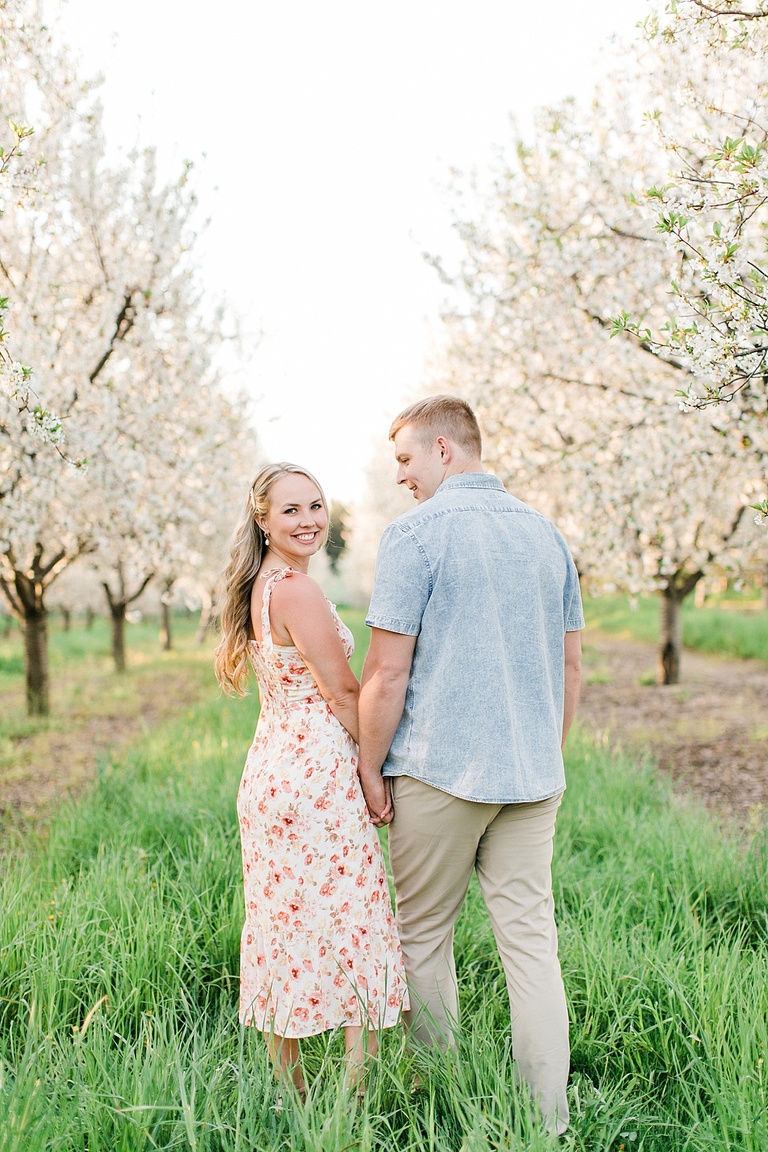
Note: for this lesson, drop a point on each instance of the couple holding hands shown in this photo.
(468, 691)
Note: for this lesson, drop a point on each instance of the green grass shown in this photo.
(93, 642)
(119, 942)
(737, 631)
(92, 705)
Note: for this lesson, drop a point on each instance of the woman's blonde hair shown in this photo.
(247, 550)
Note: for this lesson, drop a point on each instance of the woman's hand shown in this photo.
(378, 797)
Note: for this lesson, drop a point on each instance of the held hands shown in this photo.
(378, 797)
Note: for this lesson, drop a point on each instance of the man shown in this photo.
(469, 689)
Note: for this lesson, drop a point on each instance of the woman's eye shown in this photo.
(316, 506)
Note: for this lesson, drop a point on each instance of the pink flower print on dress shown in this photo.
(300, 804)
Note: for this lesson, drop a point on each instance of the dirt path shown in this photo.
(58, 762)
(710, 732)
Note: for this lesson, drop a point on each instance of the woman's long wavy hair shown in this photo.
(246, 553)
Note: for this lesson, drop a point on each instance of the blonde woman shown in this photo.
(319, 947)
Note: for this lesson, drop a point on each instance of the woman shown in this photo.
(319, 947)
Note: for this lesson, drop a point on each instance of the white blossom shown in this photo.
(98, 260)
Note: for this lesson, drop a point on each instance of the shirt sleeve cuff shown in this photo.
(392, 624)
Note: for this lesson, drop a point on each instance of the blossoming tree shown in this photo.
(579, 424)
(708, 198)
(97, 263)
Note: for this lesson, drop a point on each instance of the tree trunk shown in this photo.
(23, 584)
(66, 618)
(117, 609)
(166, 639)
(206, 614)
(671, 636)
(118, 606)
(165, 626)
(36, 658)
(89, 618)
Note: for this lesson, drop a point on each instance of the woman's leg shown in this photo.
(359, 1044)
(284, 1051)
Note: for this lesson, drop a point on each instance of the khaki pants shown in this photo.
(435, 841)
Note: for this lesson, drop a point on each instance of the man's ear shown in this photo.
(445, 449)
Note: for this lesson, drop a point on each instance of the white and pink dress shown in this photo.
(319, 947)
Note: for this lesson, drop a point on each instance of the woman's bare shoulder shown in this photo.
(297, 590)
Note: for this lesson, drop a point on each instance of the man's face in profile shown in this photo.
(420, 463)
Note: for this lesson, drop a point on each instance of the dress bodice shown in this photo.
(280, 669)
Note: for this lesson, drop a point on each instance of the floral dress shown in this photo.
(319, 946)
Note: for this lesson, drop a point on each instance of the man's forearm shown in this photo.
(571, 698)
(572, 680)
(382, 698)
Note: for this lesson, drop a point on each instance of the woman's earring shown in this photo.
(266, 540)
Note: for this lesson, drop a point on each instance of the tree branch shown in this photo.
(713, 11)
(138, 592)
(13, 601)
(126, 318)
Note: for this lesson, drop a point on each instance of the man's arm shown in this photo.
(572, 680)
(384, 682)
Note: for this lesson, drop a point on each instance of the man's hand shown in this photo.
(378, 797)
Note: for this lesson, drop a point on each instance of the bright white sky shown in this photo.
(323, 133)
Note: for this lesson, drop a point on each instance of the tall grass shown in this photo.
(119, 958)
(734, 631)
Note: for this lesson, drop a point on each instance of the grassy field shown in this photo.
(119, 935)
(93, 708)
(733, 627)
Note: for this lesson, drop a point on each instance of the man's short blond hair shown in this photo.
(442, 416)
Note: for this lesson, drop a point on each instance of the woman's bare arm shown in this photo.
(299, 610)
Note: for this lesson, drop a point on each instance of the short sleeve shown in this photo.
(572, 610)
(402, 584)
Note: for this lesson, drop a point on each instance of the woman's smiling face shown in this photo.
(297, 521)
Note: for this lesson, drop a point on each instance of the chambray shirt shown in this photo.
(489, 588)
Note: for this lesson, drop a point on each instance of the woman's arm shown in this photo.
(299, 609)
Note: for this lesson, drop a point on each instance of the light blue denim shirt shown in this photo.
(489, 588)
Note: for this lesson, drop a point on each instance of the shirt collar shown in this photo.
(472, 480)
